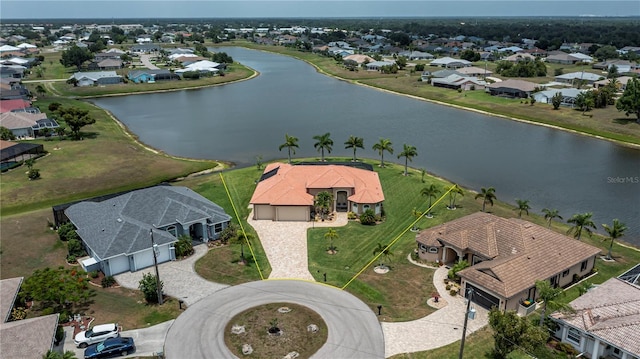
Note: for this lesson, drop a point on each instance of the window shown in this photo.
(172, 230)
(433, 249)
(423, 247)
(217, 228)
(366, 207)
(573, 335)
(565, 273)
(583, 265)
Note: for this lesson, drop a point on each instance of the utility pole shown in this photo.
(155, 263)
(466, 318)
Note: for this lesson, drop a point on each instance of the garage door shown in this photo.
(482, 298)
(262, 211)
(118, 265)
(292, 213)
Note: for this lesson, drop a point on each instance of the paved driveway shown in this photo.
(285, 244)
(438, 329)
(179, 278)
(354, 330)
(146, 62)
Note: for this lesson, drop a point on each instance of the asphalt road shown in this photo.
(354, 331)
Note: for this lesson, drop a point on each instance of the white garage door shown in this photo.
(118, 265)
(145, 259)
(292, 213)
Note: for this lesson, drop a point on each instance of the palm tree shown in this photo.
(242, 237)
(431, 192)
(41, 90)
(614, 232)
(384, 144)
(550, 214)
(324, 143)
(409, 152)
(581, 221)
(354, 142)
(416, 214)
(323, 203)
(487, 195)
(523, 206)
(549, 296)
(331, 235)
(55, 355)
(455, 191)
(289, 142)
(384, 252)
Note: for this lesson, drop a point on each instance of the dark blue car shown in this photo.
(110, 347)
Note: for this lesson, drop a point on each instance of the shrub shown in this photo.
(33, 174)
(368, 217)
(351, 215)
(149, 287)
(448, 287)
(108, 281)
(184, 246)
(228, 233)
(67, 231)
(93, 274)
(71, 259)
(59, 334)
(75, 248)
(453, 272)
(453, 292)
(567, 348)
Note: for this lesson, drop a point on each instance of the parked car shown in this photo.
(96, 334)
(110, 347)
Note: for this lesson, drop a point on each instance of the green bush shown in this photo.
(75, 248)
(71, 259)
(149, 287)
(67, 231)
(229, 233)
(368, 217)
(453, 292)
(453, 272)
(93, 274)
(184, 246)
(567, 348)
(108, 281)
(351, 215)
(34, 174)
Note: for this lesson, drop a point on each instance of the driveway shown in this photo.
(179, 278)
(146, 62)
(148, 340)
(438, 329)
(354, 330)
(285, 244)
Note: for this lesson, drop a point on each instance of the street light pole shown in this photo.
(155, 264)
(466, 319)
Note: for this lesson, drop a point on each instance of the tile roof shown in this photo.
(28, 338)
(15, 120)
(121, 225)
(289, 185)
(521, 85)
(610, 311)
(521, 252)
(10, 105)
(8, 290)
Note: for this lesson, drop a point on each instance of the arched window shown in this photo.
(172, 230)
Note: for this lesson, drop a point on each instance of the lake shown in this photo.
(237, 122)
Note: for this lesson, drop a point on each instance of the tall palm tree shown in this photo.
(487, 195)
(323, 203)
(324, 142)
(550, 214)
(384, 251)
(289, 142)
(522, 206)
(550, 296)
(355, 143)
(409, 152)
(431, 192)
(615, 231)
(331, 235)
(384, 144)
(581, 221)
(455, 191)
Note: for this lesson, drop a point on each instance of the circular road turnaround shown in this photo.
(354, 330)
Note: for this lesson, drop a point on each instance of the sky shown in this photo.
(149, 9)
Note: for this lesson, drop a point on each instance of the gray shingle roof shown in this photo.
(28, 338)
(121, 225)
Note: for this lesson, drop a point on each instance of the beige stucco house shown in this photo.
(507, 257)
(286, 192)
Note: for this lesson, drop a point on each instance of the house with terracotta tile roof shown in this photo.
(286, 192)
(507, 257)
(606, 321)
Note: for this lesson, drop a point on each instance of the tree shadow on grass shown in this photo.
(626, 121)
